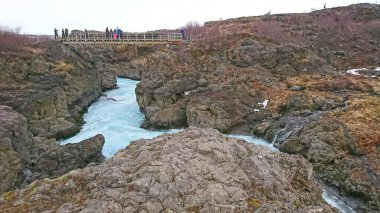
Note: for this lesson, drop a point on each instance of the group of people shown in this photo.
(64, 35)
(114, 34)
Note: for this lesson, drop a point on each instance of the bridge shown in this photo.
(123, 38)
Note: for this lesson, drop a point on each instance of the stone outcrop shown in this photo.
(52, 88)
(15, 141)
(25, 158)
(299, 64)
(336, 158)
(196, 170)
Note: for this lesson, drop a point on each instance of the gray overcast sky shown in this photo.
(41, 16)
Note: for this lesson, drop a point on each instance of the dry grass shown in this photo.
(12, 41)
(363, 120)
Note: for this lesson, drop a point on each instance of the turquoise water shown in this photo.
(118, 118)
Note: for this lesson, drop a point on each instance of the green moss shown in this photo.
(193, 209)
(8, 195)
(297, 204)
(32, 189)
(254, 203)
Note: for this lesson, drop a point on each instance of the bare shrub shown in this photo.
(297, 19)
(10, 39)
(271, 30)
(192, 28)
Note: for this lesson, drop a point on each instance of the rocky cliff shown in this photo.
(194, 171)
(49, 86)
(276, 76)
(24, 158)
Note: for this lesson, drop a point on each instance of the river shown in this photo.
(118, 118)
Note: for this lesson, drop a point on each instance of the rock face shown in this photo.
(24, 158)
(49, 88)
(197, 170)
(52, 88)
(299, 64)
(15, 141)
(336, 158)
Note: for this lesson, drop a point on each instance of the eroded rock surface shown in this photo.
(198, 170)
(24, 158)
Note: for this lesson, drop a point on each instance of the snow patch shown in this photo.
(256, 110)
(377, 69)
(355, 71)
(187, 93)
(264, 103)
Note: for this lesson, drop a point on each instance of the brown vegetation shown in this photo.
(12, 41)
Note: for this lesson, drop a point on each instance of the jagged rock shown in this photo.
(326, 143)
(24, 158)
(53, 88)
(196, 170)
(14, 142)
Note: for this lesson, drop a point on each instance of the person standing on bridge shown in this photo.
(107, 33)
(111, 34)
(66, 33)
(55, 33)
(86, 34)
(183, 33)
(63, 34)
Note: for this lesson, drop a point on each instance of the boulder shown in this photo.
(198, 170)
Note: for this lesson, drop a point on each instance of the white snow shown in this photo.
(355, 71)
(187, 93)
(264, 103)
(256, 110)
(377, 69)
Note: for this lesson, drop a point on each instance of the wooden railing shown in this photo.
(122, 37)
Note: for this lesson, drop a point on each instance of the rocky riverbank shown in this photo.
(282, 77)
(195, 170)
(44, 92)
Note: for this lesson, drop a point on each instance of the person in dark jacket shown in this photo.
(107, 33)
(183, 33)
(55, 33)
(66, 33)
(63, 34)
(86, 33)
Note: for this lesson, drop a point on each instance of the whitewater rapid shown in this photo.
(117, 116)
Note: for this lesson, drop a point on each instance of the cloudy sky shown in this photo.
(41, 16)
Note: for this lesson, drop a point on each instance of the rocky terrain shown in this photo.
(48, 86)
(283, 78)
(280, 77)
(198, 170)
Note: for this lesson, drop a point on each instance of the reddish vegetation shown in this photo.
(12, 41)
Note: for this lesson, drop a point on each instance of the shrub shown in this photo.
(10, 39)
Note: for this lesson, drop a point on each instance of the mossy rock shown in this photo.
(254, 203)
